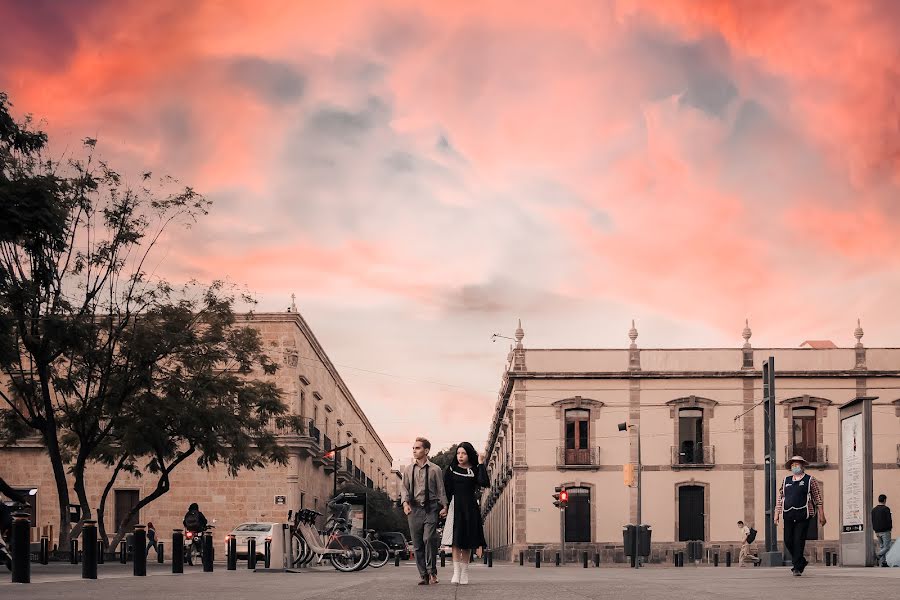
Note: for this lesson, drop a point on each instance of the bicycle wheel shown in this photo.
(381, 554)
(353, 553)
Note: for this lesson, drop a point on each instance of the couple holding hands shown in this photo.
(428, 493)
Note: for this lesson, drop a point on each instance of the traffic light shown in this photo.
(628, 473)
(561, 497)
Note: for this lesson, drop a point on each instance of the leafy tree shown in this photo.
(444, 457)
(104, 361)
(381, 512)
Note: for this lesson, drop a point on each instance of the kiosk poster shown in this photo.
(852, 493)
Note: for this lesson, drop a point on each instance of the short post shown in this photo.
(251, 553)
(177, 551)
(232, 553)
(140, 551)
(160, 553)
(828, 558)
(396, 559)
(557, 559)
(123, 552)
(490, 559)
(834, 558)
(680, 558)
(521, 559)
(537, 558)
(101, 558)
(443, 559)
(45, 550)
(584, 559)
(208, 552)
(716, 559)
(484, 557)
(89, 559)
(268, 553)
(597, 559)
(728, 558)
(73, 552)
(19, 547)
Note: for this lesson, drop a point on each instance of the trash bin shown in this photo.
(628, 539)
(644, 534)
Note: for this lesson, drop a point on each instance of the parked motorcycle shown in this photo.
(6, 531)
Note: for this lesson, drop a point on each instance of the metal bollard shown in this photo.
(123, 552)
(251, 553)
(834, 559)
(160, 553)
(177, 551)
(89, 558)
(396, 559)
(728, 558)
(101, 558)
(521, 559)
(484, 557)
(557, 559)
(73, 552)
(443, 559)
(140, 551)
(584, 559)
(19, 547)
(232, 553)
(680, 558)
(716, 559)
(208, 552)
(597, 559)
(828, 558)
(537, 558)
(490, 559)
(45, 550)
(268, 553)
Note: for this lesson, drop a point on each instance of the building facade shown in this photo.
(313, 389)
(700, 422)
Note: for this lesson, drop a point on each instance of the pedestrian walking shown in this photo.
(464, 532)
(152, 542)
(748, 534)
(881, 523)
(424, 499)
(799, 502)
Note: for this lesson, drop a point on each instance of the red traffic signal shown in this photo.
(561, 498)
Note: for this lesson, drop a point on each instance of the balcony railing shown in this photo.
(326, 443)
(816, 455)
(349, 466)
(693, 455)
(357, 473)
(584, 458)
(369, 483)
(314, 432)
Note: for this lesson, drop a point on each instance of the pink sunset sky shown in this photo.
(423, 174)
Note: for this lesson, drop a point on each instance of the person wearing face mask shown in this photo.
(799, 502)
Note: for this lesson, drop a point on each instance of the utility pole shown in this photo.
(772, 556)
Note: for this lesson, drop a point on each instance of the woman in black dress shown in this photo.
(463, 530)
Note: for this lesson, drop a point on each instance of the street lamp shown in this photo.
(333, 454)
(637, 432)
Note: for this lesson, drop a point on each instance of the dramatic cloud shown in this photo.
(423, 174)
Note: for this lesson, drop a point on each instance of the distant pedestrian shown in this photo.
(464, 532)
(424, 500)
(151, 539)
(881, 523)
(748, 534)
(799, 501)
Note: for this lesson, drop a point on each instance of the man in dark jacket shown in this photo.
(194, 520)
(881, 523)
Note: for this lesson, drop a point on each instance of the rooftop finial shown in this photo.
(633, 334)
(293, 307)
(747, 333)
(858, 333)
(520, 333)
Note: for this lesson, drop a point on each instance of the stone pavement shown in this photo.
(502, 582)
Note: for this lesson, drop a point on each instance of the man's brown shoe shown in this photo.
(434, 579)
(424, 581)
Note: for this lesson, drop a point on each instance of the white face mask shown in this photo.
(797, 470)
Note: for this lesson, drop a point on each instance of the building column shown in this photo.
(748, 423)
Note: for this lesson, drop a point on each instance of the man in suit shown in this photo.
(424, 500)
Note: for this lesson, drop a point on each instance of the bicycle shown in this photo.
(345, 551)
(381, 552)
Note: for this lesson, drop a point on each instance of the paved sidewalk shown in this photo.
(503, 582)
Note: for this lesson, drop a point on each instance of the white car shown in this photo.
(261, 532)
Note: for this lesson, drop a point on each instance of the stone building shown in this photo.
(701, 428)
(313, 389)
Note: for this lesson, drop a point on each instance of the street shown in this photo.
(502, 582)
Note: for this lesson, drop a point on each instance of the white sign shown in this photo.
(852, 493)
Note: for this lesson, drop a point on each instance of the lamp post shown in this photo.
(335, 454)
(637, 431)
